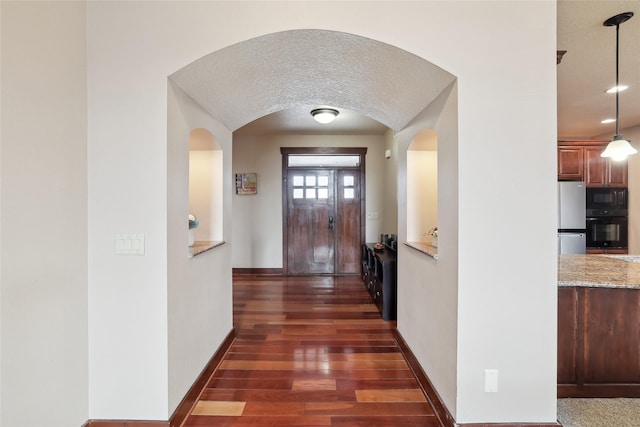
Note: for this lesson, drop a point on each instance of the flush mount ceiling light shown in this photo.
(619, 148)
(324, 115)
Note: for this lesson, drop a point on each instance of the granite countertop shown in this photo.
(599, 271)
(424, 247)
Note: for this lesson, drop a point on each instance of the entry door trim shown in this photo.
(285, 151)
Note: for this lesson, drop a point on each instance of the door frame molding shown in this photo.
(285, 151)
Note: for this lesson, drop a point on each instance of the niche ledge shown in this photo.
(201, 246)
(424, 248)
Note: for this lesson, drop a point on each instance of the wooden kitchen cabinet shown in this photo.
(567, 335)
(570, 163)
(601, 171)
(581, 161)
(598, 335)
(595, 167)
(617, 173)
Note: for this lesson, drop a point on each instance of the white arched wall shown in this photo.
(457, 375)
(503, 307)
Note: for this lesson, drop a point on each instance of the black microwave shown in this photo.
(606, 201)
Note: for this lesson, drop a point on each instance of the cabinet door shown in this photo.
(567, 335)
(570, 161)
(595, 167)
(617, 173)
(611, 336)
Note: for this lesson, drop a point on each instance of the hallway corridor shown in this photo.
(310, 351)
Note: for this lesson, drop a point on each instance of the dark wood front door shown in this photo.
(311, 218)
(348, 244)
(323, 210)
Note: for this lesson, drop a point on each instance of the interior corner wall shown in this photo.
(390, 206)
(634, 191)
(428, 288)
(43, 313)
(200, 288)
(258, 238)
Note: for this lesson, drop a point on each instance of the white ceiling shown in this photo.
(586, 71)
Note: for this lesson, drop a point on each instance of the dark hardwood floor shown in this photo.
(310, 351)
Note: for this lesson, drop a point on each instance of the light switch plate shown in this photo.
(130, 244)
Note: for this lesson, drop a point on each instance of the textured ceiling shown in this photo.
(307, 68)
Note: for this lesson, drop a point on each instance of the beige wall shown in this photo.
(390, 204)
(633, 134)
(257, 220)
(457, 315)
(43, 315)
(198, 291)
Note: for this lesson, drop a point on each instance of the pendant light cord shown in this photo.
(617, 83)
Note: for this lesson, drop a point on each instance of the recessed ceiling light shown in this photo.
(618, 88)
(605, 121)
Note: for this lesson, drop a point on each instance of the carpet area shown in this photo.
(599, 412)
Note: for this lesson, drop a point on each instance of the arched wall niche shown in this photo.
(422, 186)
(206, 184)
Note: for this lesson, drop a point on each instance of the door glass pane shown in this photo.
(326, 160)
(298, 193)
(323, 193)
(311, 193)
(348, 181)
(311, 181)
(348, 193)
(298, 180)
(323, 181)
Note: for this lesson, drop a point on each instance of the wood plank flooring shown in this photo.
(310, 351)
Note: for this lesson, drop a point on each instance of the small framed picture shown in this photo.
(246, 183)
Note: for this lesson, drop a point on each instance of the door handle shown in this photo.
(330, 223)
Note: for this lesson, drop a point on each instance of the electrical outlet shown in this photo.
(490, 380)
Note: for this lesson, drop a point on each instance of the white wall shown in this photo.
(633, 134)
(199, 296)
(133, 47)
(390, 182)
(257, 219)
(44, 215)
(428, 289)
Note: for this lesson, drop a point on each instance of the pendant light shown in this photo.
(619, 148)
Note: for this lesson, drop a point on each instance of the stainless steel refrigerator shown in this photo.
(572, 238)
